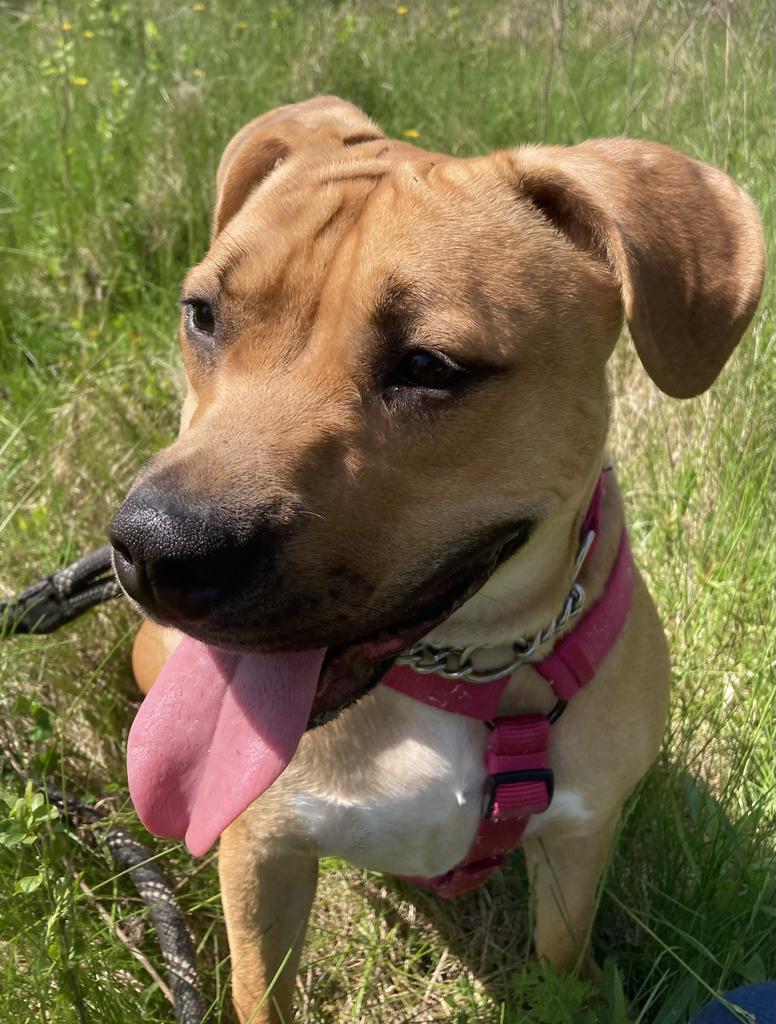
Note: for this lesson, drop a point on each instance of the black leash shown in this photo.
(43, 608)
(61, 597)
(157, 893)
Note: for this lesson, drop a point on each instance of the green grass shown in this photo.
(104, 202)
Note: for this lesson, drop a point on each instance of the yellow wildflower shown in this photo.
(242, 24)
(402, 10)
(80, 80)
(198, 73)
(66, 26)
(88, 34)
(199, 7)
(411, 133)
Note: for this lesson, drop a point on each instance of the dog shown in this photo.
(387, 497)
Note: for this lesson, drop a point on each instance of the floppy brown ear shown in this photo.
(263, 143)
(682, 239)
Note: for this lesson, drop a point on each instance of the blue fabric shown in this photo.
(759, 1000)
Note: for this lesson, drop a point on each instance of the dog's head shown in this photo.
(396, 368)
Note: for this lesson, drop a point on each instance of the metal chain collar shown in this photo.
(428, 660)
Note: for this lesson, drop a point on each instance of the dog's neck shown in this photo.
(529, 589)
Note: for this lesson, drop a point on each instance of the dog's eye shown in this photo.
(423, 369)
(201, 317)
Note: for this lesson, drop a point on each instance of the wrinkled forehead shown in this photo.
(369, 232)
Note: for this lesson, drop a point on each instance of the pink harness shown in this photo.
(519, 779)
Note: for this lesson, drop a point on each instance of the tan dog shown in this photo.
(396, 368)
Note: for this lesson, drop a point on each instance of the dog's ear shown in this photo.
(683, 242)
(263, 143)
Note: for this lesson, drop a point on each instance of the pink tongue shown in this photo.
(213, 734)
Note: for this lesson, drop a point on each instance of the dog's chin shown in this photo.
(357, 659)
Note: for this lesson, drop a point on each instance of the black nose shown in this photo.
(175, 555)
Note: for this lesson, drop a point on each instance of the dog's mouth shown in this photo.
(219, 727)
(351, 670)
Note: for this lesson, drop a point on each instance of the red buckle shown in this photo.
(520, 781)
(518, 803)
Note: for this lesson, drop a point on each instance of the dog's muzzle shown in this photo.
(178, 556)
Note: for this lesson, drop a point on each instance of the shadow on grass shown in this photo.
(686, 912)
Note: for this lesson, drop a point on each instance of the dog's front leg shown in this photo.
(267, 890)
(564, 872)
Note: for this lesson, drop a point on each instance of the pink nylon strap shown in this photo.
(474, 700)
(518, 745)
(577, 656)
(519, 781)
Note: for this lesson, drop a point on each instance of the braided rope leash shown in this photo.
(157, 893)
(43, 608)
(61, 597)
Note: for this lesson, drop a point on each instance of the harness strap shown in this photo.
(473, 700)
(577, 655)
(519, 780)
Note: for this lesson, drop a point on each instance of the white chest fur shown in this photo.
(406, 790)
(396, 786)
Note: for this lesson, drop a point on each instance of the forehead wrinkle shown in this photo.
(354, 169)
(355, 176)
(226, 257)
(283, 209)
(280, 284)
(253, 227)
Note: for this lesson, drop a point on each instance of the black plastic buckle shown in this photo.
(557, 711)
(545, 775)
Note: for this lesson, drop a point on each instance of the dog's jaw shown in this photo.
(524, 592)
